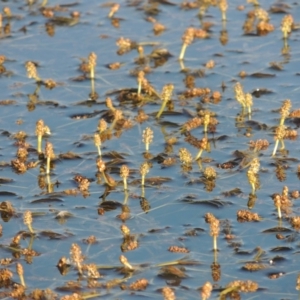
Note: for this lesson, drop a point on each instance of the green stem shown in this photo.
(183, 48)
(99, 150)
(48, 165)
(39, 143)
(22, 280)
(275, 147)
(161, 109)
(125, 183)
(139, 87)
(215, 243)
(199, 154)
(279, 212)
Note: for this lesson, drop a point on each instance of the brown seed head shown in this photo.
(139, 285)
(247, 216)
(259, 145)
(5, 275)
(209, 218)
(192, 124)
(177, 249)
(246, 286)
(295, 114)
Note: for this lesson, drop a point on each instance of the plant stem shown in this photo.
(183, 48)
(161, 109)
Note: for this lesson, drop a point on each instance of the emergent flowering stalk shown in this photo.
(113, 10)
(76, 256)
(279, 136)
(97, 142)
(187, 39)
(223, 8)
(206, 290)
(144, 169)
(252, 174)
(27, 218)
(31, 71)
(124, 173)
(277, 204)
(40, 130)
(286, 25)
(285, 110)
(239, 94)
(101, 168)
(49, 154)
(166, 95)
(125, 262)
(20, 272)
(92, 64)
(203, 146)
(147, 137)
(214, 228)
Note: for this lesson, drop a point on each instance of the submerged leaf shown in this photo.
(277, 229)
(46, 200)
(69, 155)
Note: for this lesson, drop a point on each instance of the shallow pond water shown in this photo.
(170, 209)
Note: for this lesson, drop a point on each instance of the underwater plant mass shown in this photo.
(149, 148)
